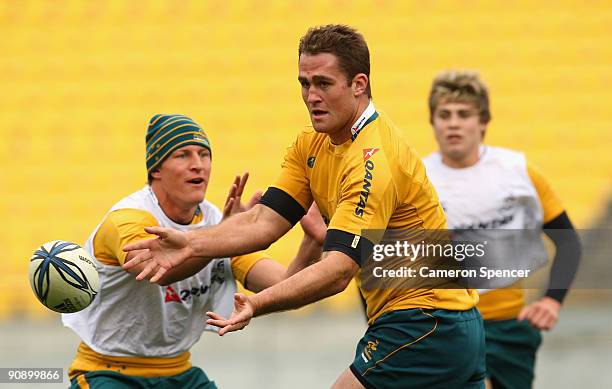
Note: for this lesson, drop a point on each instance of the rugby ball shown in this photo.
(63, 276)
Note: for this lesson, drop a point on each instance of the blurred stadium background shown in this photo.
(81, 79)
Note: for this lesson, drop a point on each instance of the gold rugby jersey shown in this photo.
(373, 181)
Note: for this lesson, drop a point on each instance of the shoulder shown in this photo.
(505, 156)
(129, 216)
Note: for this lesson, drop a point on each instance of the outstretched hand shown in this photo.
(169, 249)
(241, 316)
(542, 314)
(233, 204)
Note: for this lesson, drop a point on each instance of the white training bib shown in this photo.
(494, 194)
(130, 318)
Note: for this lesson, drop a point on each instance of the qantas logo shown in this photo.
(368, 153)
(171, 295)
(365, 190)
(188, 294)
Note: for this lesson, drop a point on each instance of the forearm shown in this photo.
(323, 279)
(265, 273)
(185, 270)
(567, 256)
(564, 267)
(309, 253)
(243, 233)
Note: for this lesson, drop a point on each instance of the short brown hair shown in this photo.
(460, 86)
(345, 43)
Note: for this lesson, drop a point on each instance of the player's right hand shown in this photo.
(241, 317)
(169, 249)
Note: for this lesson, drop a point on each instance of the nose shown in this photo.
(313, 96)
(196, 162)
(453, 121)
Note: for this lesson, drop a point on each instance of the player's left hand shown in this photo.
(169, 249)
(233, 203)
(542, 314)
(242, 315)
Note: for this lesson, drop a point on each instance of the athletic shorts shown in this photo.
(421, 348)
(511, 351)
(107, 379)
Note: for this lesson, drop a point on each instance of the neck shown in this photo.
(345, 134)
(181, 214)
(467, 160)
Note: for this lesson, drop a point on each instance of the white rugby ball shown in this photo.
(63, 276)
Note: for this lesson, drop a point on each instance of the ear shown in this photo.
(483, 131)
(156, 174)
(359, 84)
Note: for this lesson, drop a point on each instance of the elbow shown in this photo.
(264, 244)
(342, 281)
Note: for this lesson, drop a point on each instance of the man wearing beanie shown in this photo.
(137, 334)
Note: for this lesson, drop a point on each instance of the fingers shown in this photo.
(218, 321)
(240, 317)
(160, 273)
(234, 324)
(232, 192)
(145, 255)
(523, 314)
(214, 316)
(544, 320)
(159, 231)
(148, 269)
(538, 316)
(227, 211)
(232, 328)
(545, 324)
(242, 184)
(143, 244)
(240, 299)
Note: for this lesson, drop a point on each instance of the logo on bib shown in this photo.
(171, 295)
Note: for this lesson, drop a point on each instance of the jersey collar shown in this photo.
(366, 118)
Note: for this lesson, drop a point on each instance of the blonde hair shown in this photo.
(460, 86)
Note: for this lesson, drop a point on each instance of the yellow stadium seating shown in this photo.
(81, 79)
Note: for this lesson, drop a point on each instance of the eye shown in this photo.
(465, 114)
(304, 84)
(444, 115)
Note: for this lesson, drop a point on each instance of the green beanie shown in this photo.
(168, 133)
